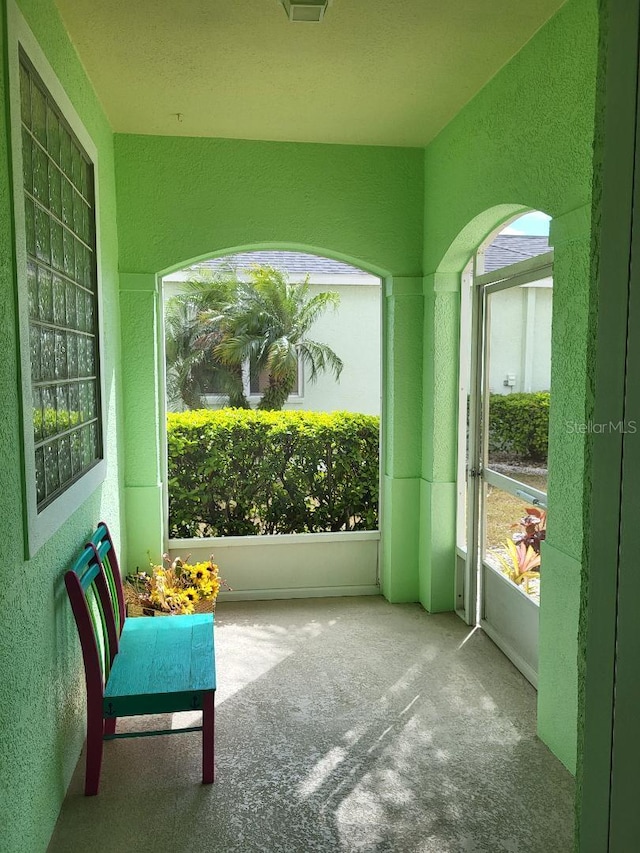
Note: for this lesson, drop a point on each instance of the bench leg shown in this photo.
(95, 729)
(110, 725)
(208, 732)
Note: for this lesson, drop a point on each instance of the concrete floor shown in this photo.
(345, 724)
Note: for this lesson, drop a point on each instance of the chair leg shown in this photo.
(110, 725)
(95, 729)
(208, 733)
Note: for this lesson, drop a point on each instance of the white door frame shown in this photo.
(514, 616)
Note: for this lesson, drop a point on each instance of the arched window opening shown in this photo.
(273, 393)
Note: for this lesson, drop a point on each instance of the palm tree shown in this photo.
(266, 325)
(192, 368)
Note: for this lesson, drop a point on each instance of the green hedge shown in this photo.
(235, 472)
(519, 424)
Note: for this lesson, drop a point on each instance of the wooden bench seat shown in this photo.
(163, 665)
(137, 666)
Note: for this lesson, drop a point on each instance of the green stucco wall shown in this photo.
(525, 140)
(41, 675)
(184, 198)
(180, 199)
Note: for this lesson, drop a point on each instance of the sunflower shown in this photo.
(192, 594)
(198, 572)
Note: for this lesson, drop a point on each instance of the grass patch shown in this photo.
(504, 510)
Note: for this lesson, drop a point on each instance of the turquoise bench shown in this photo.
(136, 666)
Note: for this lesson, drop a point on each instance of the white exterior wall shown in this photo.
(521, 338)
(353, 331)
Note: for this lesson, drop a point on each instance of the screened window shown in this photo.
(60, 234)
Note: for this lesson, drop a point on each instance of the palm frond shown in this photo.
(319, 358)
(315, 307)
(282, 361)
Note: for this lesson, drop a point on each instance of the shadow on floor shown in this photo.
(343, 724)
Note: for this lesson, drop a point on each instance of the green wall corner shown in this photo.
(437, 546)
(558, 654)
(401, 511)
(144, 526)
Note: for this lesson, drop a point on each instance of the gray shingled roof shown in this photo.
(510, 248)
(291, 262)
(506, 249)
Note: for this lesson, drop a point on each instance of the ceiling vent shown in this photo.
(305, 11)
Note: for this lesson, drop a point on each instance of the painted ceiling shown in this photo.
(373, 72)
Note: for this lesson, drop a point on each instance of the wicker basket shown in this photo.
(138, 610)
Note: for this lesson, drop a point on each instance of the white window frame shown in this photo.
(40, 526)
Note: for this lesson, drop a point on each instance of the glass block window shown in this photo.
(60, 233)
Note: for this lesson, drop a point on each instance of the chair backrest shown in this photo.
(103, 543)
(93, 611)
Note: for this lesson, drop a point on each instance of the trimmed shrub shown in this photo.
(520, 424)
(235, 472)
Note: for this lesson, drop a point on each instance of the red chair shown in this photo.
(107, 553)
(137, 666)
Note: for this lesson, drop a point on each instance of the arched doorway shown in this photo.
(504, 396)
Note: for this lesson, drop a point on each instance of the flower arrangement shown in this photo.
(176, 587)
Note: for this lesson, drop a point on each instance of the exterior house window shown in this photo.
(259, 382)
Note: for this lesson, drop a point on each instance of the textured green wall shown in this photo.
(180, 199)
(183, 198)
(41, 675)
(524, 141)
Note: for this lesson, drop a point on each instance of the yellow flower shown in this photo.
(178, 586)
(183, 604)
(206, 589)
(198, 572)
